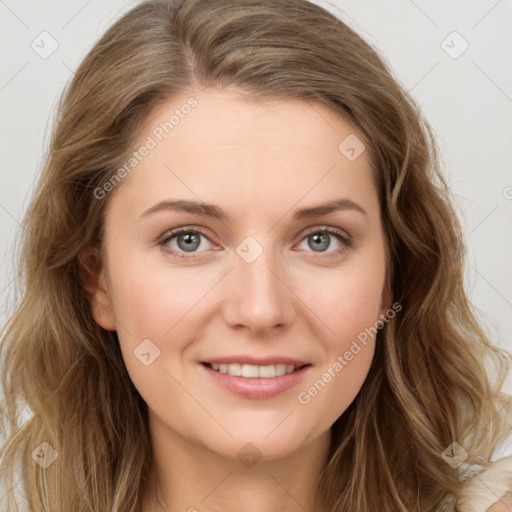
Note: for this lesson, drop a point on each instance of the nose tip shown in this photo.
(257, 298)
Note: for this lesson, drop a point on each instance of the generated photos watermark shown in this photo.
(304, 397)
(151, 142)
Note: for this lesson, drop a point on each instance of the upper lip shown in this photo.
(256, 361)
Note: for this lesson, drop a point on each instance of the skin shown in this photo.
(259, 161)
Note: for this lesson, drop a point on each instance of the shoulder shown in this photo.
(490, 490)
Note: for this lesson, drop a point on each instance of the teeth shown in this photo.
(250, 370)
(265, 372)
(281, 369)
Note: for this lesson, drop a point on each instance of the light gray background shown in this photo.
(467, 99)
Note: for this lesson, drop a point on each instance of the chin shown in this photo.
(261, 444)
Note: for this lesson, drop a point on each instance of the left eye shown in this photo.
(320, 238)
(189, 241)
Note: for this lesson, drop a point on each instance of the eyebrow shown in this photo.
(211, 210)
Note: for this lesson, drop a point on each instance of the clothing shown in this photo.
(490, 490)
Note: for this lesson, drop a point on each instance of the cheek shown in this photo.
(160, 304)
(152, 310)
(348, 305)
(152, 298)
(335, 386)
(346, 302)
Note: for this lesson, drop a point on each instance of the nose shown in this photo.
(257, 296)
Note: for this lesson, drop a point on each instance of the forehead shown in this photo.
(233, 117)
(220, 143)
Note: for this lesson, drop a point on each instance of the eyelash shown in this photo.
(338, 233)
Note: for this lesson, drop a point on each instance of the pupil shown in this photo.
(319, 237)
(190, 239)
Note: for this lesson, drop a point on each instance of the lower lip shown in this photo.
(256, 387)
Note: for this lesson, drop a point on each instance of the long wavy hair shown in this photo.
(435, 378)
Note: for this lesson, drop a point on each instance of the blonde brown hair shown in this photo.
(428, 385)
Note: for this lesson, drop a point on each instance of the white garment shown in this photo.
(490, 490)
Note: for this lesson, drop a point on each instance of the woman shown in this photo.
(182, 341)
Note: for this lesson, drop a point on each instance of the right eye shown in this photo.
(186, 240)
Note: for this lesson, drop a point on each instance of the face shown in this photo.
(258, 278)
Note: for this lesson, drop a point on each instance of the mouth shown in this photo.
(255, 371)
(255, 381)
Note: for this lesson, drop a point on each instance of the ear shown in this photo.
(93, 278)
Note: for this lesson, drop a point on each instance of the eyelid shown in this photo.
(329, 229)
(342, 235)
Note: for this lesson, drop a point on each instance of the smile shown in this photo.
(255, 381)
(250, 370)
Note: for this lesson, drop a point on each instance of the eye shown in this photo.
(320, 238)
(186, 240)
